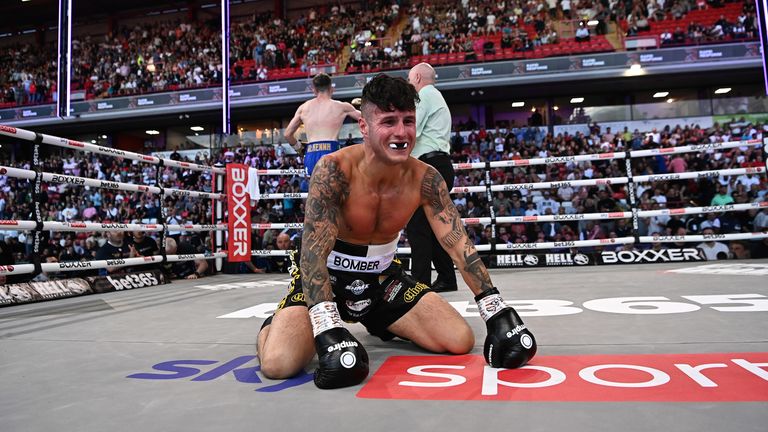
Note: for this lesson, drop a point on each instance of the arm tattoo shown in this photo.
(475, 268)
(328, 190)
(434, 191)
(453, 237)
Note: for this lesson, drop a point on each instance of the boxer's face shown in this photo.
(391, 135)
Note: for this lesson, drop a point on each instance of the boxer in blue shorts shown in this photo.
(322, 118)
(315, 150)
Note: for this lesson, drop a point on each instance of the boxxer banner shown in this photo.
(239, 208)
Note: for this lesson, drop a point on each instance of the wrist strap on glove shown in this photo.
(324, 316)
(489, 303)
(299, 146)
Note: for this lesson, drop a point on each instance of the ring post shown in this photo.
(218, 213)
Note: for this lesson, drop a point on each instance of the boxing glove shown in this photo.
(509, 343)
(343, 360)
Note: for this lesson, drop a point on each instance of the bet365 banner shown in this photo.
(239, 207)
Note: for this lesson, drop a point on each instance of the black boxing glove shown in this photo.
(509, 343)
(343, 360)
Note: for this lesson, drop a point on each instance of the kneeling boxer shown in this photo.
(359, 200)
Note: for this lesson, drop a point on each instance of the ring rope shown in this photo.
(67, 266)
(27, 135)
(703, 238)
(98, 227)
(692, 148)
(104, 184)
(613, 180)
(130, 187)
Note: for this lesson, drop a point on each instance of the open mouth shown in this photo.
(398, 145)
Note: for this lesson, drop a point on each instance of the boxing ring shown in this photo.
(675, 346)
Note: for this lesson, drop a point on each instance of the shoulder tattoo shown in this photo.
(435, 191)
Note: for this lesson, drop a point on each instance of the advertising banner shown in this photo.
(28, 292)
(239, 207)
(126, 281)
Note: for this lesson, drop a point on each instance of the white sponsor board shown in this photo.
(727, 269)
(641, 305)
(240, 285)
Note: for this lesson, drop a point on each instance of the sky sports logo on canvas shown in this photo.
(711, 377)
(210, 370)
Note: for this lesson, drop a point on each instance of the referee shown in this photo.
(433, 133)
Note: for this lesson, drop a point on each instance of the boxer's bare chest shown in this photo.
(376, 216)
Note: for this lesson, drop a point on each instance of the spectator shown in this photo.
(143, 245)
(678, 164)
(115, 248)
(535, 119)
(723, 197)
(276, 263)
(711, 249)
(187, 269)
(739, 250)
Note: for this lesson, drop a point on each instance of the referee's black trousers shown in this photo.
(425, 249)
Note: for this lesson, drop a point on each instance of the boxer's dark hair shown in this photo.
(389, 94)
(321, 82)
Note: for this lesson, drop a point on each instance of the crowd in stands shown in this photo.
(68, 203)
(27, 75)
(463, 27)
(162, 56)
(681, 22)
(144, 58)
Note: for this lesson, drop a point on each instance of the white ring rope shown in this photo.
(570, 217)
(100, 227)
(613, 180)
(279, 196)
(104, 184)
(27, 135)
(699, 174)
(24, 134)
(607, 156)
(539, 161)
(703, 238)
(296, 172)
(547, 245)
(67, 266)
(271, 252)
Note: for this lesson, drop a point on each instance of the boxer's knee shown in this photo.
(274, 367)
(281, 362)
(461, 341)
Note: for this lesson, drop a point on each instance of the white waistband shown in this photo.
(377, 258)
